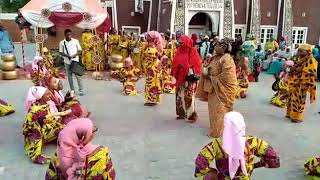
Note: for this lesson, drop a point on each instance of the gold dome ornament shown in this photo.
(9, 75)
(116, 58)
(8, 57)
(8, 66)
(116, 66)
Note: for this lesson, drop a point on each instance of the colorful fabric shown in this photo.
(214, 152)
(312, 168)
(302, 79)
(5, 108)
(220, 88)
(34, 93)
(273, 45)
(281, 97)
(243, 72)
(248, 50)
(128, 79)
(157, 41)
(168, 86)
(39, 130)
(185, 101)
(186, 57)
(276, 67)
(99, 166)
(153, 76)
(88, 51)
(6, 45)
(124, 48)
(113, 44)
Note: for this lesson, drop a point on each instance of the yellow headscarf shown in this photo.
(306, 47)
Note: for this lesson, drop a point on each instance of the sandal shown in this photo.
(295, 121)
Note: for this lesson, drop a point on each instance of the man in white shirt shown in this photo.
(70, 49)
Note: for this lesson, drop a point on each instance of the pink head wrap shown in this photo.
(289, 63)
(35, 65)
(157, 40)
(71, 149)
(233, 142)
(35, 93)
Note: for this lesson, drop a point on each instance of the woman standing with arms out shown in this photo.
(219, 86)
(186, 60)
(234, 153)
(153, 51)
(88, 52)
(302, 79)
(77, 158)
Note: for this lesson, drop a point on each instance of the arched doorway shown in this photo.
(200, 23)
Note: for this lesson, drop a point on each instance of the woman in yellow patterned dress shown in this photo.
(234, 153)
(243, 71)
(167, 84)
(124, 46)
(281, 86)
(128, 75)
(5, 108)
(88, 50)
(153, 68)
(40, 127)
(135, 52)
(302, 79)
(312, 168)
(113, 43)
(77, 158)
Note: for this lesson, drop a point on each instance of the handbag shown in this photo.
(191, 77)
(75, 67)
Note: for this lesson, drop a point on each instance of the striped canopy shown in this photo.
(85, 14)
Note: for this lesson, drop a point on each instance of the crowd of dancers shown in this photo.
(217, 71)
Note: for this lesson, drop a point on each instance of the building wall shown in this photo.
(311, 20)
(13, 29)
(124, 9)
(269, 6)
(241, 7)
(165, 17)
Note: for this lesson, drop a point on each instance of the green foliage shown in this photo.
(12, 6)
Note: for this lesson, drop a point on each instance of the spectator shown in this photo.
(6, 45)
(205, 47)
(271, 44)
(70, 49)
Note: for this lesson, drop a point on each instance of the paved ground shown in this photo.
(148, 143)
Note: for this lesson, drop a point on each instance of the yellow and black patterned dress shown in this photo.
(88, 51)
(214, 152)
(281, 97)
(128, 79)
(39, 130)
(243, 84)
(168, 86)
(113, 44)
(153, 76)
(312, 168)
(98, 166)
(5, 108)
(302, 79)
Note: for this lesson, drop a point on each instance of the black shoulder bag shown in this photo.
(191, 77)
(75, 67)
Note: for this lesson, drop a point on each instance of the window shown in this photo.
(240, 29)
(299, 35)
(132, 29)
(267, 33)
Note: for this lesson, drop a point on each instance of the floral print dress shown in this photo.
(312, 168)
(128, 79)
(98, 165)
(167, 84)
(214, 152)
(5, 108)
(39, 130)
(153, 76)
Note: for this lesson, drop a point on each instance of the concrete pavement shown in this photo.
(147, 143)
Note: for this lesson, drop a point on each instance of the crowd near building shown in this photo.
(294, 19)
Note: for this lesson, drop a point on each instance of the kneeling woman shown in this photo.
(77, 158)
(312, 168)
(234, 153)
(243, 71)
(64, 103)
(42, 124)
(5, 108)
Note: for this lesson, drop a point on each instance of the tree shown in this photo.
(12, 6)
